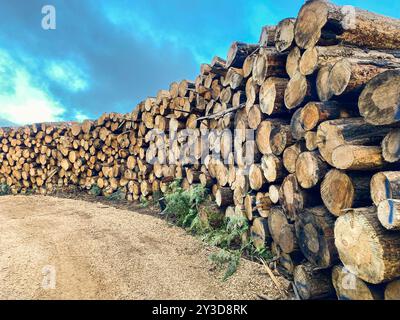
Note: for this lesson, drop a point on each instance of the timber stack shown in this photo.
(302, 139)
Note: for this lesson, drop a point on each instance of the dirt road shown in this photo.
(53, 248)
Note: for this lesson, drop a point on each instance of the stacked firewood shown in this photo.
(298, 133)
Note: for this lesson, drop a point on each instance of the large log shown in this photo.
(314, 230)
(348, 25)
(366, 248)
(379, 102)
(313, 113)
(294, 199)
(340, 191)
(313, 284)
(238, 52)
(318, 57)
(272, 94)
(298, 91)
(350, 287)
(352, 131)
(349, 157)
(310, 169)
(259, 233)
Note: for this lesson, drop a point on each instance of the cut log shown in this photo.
(352, 131)
(284, 35)
(298, 91)
(341, 191)
(267, 36)
(314, 113)
(310, 138)
(274, 193)
(263, 204)
(238, 52)
(314, 230)
(256, 177)
(263, 134)
(287, 239)
(392, 291)
(379, 102)
(350, 287)
(250, 207)
(318, 57)
(259, 233)
(294, 199)
(272, 93)
(291, 154)
(389, 214)
(367, 249)
(384, 186)
(276, 221)
(348, 77)
(324, 91)
(313, 284)
(391, 146)
(348, 157)
(293, 62)
(345, 24)
(224, 197)
(280, 138)
(310, 169)
(272, 168)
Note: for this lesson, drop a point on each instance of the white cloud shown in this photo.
(68, 75)
(21, 100)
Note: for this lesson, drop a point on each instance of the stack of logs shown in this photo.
(322, 186)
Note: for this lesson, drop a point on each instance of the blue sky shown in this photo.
(108, 55)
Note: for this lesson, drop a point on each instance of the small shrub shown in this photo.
(230, 259)
(4, 189)
(95, 190)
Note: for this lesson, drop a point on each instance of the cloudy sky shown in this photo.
(108, 55)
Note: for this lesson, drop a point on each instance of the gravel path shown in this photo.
(52, 248)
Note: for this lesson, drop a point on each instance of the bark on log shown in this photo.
(238, 52)
(352, 131)
(347, 25)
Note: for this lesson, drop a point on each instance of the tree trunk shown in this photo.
(238, 52)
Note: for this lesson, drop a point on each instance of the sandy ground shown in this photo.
(52, 248)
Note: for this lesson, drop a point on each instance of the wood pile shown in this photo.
(298, 133)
